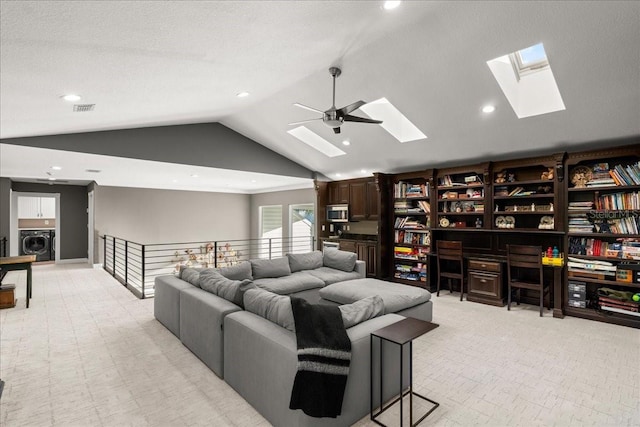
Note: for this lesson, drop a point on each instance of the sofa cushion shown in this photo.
(307, 261)
(273, 307)
(277, 267)
(240, 271)
(277, 308)
(184, 267)
(295, 282)
(231, 290)
(340, 260)
(330, 275)
(191, 275)
(396, 296)
(361, 310)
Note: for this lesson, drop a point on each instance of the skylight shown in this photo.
(527, 81)
(316, 142)
(393, 121)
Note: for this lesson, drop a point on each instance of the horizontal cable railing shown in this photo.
(136, 265)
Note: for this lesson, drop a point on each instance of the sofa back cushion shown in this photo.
(340, 260)
(231, 290)
(277, 267)
(273, 307)
(362, 310)
(240, 271)
(307, 261)
(191, 275)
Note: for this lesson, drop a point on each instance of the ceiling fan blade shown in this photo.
(336, 130)
(351, 107)
(308, 108)
(304, 121)
(350, 118)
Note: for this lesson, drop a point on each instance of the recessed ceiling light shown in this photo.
(56, 168)
(71, 97)
(242, 94)
(363, 171)
(174, 181)
(391, 4)
(51, 178)
(194, 175)
(488, 109)
(338, 174)
(253, 180)
(345, 142)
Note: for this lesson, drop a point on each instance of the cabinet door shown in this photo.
(48, 207)
(372, 260)
(332, 190)
(28, 207)
(373, 201)
(357, 201)
(343, 192)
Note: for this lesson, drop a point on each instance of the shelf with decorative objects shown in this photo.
(462, 197)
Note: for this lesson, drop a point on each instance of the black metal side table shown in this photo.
(400, 333)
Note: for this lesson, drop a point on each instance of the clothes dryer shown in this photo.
(36, 242)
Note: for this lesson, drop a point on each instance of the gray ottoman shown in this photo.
(408, 301)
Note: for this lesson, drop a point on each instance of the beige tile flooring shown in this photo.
(88, 353)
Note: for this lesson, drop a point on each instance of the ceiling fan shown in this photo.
(335, 117)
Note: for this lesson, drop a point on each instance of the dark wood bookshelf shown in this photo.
(604, 188)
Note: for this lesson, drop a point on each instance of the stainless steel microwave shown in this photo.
(338, 213)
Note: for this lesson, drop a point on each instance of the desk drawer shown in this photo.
(482, 265)
(485, 284)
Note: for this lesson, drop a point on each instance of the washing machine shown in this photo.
(36, 242)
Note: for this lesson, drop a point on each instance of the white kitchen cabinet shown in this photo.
(36, 207)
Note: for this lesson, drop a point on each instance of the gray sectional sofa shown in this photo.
(254, 349)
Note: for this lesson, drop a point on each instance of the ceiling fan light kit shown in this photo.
(335, 117)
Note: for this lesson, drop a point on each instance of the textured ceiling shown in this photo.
(157, 63)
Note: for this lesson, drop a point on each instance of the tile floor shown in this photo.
(88, 353)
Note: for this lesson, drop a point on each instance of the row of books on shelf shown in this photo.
(618, 201)
(602, 270)
(617, 300)
(405, 206)
(409, 223)
(407, 190)
(418, 253)
(621, 175)
(417, 272)
(518, 191)
(627, 249)
(402, 236)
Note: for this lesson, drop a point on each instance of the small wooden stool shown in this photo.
(7, 297)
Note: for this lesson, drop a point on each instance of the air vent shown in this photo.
(82, 108)
(93, 170)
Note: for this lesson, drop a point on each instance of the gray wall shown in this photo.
(5, 208)
(73, 216)
(168, 216)
(206, 144)
(284, 198)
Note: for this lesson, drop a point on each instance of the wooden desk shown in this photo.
(23, 262)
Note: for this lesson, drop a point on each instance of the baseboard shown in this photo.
(98, 266)
(73, 261)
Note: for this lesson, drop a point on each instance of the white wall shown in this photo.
(167, 216)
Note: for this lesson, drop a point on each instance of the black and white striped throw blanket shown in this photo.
(324, 355)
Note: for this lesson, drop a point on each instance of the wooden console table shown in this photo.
(23, 262)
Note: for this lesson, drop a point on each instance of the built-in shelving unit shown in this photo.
(412, 216)
(462, 197)
(603, 234)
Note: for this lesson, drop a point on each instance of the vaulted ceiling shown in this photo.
(161, 63)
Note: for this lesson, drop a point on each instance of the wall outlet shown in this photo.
(323, 227)
(331, 228)
(46, 222)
